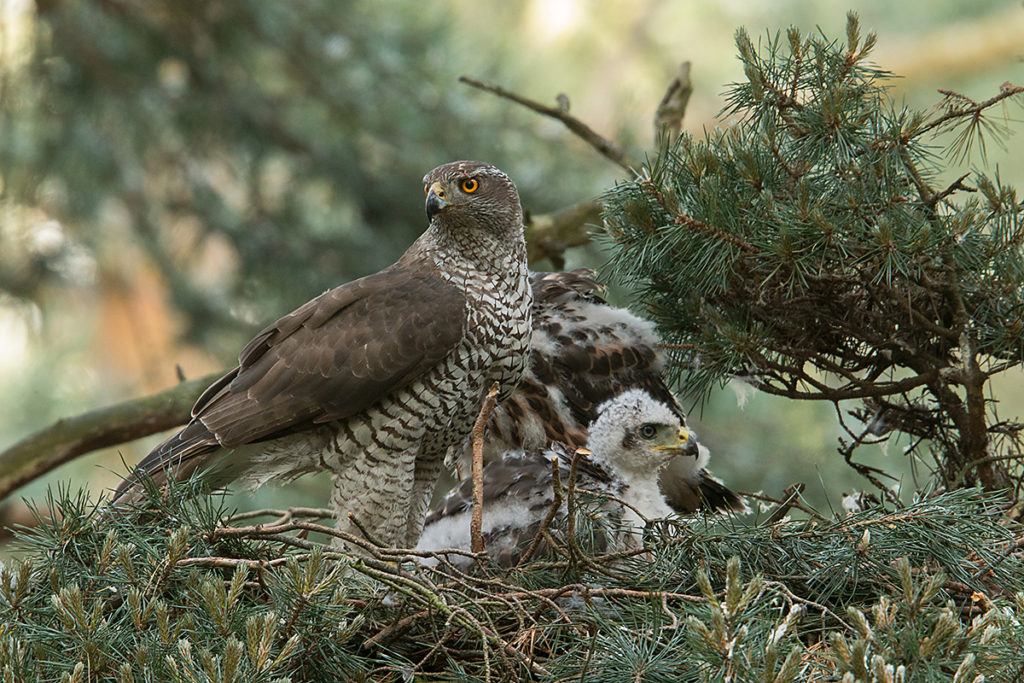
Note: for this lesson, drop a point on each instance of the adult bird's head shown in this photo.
(636, 434)
(472, 195)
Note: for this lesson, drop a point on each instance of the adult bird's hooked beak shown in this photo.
(685, 444)
(435, 199)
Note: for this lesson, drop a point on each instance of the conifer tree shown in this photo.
(808, 248)
(811, 247)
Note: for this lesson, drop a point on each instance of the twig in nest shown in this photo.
(792, 493)
(428, 596)
(395, 628)
(570, 522)
(787, 499)
(1016, 545)
(365, 532)
(606, 147)
(285, 515)
(803, 601)
(476, 523)
(232, 562)
(575, 556)
(556, 503)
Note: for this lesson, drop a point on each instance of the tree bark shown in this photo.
(69, 438)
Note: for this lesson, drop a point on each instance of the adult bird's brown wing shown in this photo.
(329, 359)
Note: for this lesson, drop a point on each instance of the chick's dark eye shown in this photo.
(647, 431)
(469, 185)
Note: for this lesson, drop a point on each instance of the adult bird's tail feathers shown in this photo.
(177, 457)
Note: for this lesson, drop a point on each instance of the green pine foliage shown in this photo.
(178, 591)
(806, 246)
(810, 246)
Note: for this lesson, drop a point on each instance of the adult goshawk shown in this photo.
(377, 379)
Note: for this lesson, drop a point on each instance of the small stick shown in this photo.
(789, 500)
(791, 495)
(570, 498)
(285, 515)
(556, 504)
(668, 120)
(477, 521)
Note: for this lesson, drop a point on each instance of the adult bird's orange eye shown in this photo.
(469, 185)
(426, 189)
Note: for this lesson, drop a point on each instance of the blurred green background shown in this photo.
(175, 174)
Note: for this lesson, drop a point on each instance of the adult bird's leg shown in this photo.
(378, 493)
(424, 482)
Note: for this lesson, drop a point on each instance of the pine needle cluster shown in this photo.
(808, 246)
(181, 591)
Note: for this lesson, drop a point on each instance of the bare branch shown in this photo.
(668, 119)
(476, 523)
(606, 147)
(549, 235)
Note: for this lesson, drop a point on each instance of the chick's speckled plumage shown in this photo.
(585, 352)
(631, 442)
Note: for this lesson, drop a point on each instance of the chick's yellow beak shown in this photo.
(684, 443)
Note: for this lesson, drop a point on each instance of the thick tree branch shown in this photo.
(69, 438)
(549, 235)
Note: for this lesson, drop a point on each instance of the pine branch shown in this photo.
(972, 109)
(804, 246)
(874, 580)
